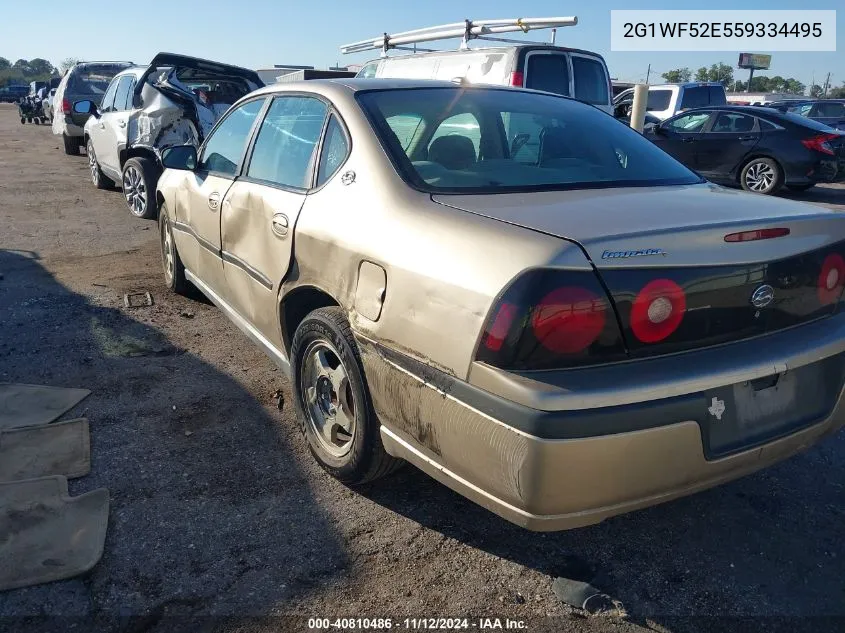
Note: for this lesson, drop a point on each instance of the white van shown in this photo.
(666, 100)
(565, 71)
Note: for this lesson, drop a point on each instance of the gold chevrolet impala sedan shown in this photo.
(511, 290)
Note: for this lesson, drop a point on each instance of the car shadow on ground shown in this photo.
(767, 544)
(210, 512)
(829, 195)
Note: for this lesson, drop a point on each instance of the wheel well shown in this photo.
(137, 152)
(298, 304)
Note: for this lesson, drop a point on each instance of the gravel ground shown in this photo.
(219, 514)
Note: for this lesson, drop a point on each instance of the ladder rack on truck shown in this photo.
(467, 30)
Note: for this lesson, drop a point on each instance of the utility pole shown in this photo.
(647, 73)
(826, 85)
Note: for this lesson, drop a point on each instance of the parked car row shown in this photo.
(508, 288)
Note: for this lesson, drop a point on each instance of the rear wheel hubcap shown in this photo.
(92, 165)
(760, 177)
(329, 400)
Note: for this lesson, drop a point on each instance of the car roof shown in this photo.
(352, 84)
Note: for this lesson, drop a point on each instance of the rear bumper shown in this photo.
(579, 466)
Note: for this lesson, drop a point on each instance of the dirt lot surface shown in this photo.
(219, 514)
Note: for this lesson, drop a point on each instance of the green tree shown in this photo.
(837, 93)
(793, 86)
(815, 91)
(5, 63)
(40, 66)
(701, 74)
(720, 72)
(677, 76)
(66, 64)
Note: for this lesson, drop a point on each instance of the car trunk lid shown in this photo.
(783, 264)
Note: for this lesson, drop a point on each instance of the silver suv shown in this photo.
(176, 100)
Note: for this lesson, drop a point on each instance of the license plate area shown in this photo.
(748, 414)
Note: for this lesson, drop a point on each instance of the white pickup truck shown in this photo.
(665, 100)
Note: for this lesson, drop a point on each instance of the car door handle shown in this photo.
(747, 138)
(688, 139)
(279, 223)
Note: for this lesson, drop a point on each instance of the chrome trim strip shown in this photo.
(277, 355)
(186, 228)
(249, 270)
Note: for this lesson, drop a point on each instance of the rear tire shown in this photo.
(761, 175)
(139, 180)
(100, 180)
(71, 145)
(174, 269)
(333, 402)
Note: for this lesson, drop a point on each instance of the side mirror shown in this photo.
(182, 157)
(660, 129)
(86, 107)
(622, 110)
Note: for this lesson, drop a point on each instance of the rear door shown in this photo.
(114, 131)
(678, 136)
(723, 144)
(590, 80)
(197, 223)
(97, 130)
(260, 210)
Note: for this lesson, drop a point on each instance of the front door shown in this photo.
(260, 210)
(197, 224)
(114, 132)
(722, 146)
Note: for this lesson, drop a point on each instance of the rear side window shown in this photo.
(225, 147)
(549, 73)
(733, 123)
(335, 151)
(717, 95)
(590, 80)
(831, 109)
(695, 97)
(658, 100)
(287, 140)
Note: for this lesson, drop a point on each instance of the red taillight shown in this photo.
(831, 279)
(517, 79)
(761, 234)
(65, 106)
(820, 143)
(658, 310)
(568, 320)
(500, 328)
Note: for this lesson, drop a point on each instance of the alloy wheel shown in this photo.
(760, 177)
(167, 250)
(92, 165)
(135, 191)
(328, 397)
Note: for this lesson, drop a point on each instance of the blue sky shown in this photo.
(257, 33)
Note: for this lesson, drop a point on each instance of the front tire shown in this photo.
(174, 270)
(333, 401)
(100, 180)
(761, 175)
(139, 184)
(71, 145)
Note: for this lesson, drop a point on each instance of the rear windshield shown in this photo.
(91, 80)
(805, 122)
(549, 73)
(482, 140)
